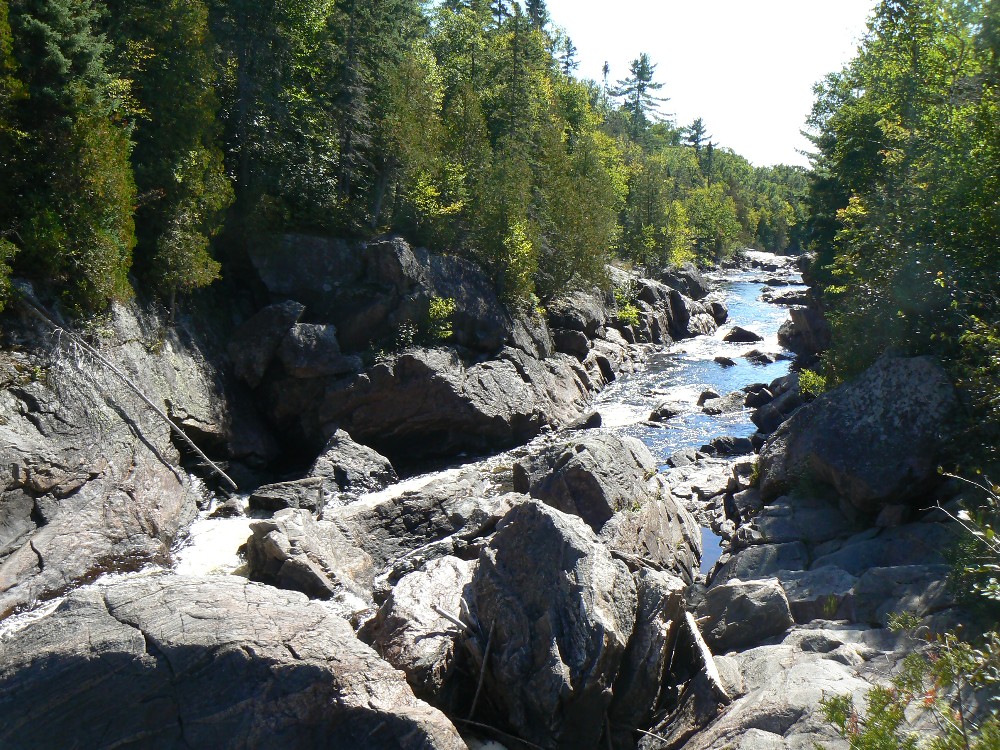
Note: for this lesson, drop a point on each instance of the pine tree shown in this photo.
(637, 90)
(696, 135)
(537, 12)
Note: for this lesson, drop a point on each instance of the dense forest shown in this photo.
(905, 199)
(138, 138)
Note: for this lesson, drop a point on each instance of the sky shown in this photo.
(746, 67)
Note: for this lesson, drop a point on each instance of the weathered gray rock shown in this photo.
(790, 297)
(738, 614)
(593, 476)
(728, 404)
(688, 280)
(875, 439)
(388, 528)
(302, 493)
(729, 446)
(369, 289)
(668, 410)
(311, 350)
(294, 551)
(426, 402)
(563, 612)
(411, 635)
(657, 529)
(643, 680)
(822, 594)
(808, 520)
(920, 590)
(763, 560)
(720, 311)
(912, 544)
(759, 358)
(347, 466)
(806, 333)
(740, 335)
(785, 685)
(99, 467)
(168, 661)
(575, 343)
(255, 343)
(579, 311)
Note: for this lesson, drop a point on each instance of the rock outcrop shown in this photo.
(169, 661)
(874, 440)
(562, 611)
(92, 478)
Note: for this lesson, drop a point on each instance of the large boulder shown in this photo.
(294, 551)
(806, 332)
(591, 476)
(586, 312)
(389, 526)
(562, 612)
(368, 290)
(311, 350)
(739, 614)
(426, 402)
(254, 344)
(875, 440)
(642, 682)
(688, 280)
(346, 466)
(168, 661)
(411, 634)
(657, 530)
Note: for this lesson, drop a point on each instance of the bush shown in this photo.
(811, 383)
(439, 312)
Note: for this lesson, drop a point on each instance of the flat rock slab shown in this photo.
(170, 661)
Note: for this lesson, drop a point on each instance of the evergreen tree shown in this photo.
(72, 178)
(697, 135)
(638, 89)
(537, 12)
(177, 157)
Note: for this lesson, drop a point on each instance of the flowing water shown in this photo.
(684, 370)
(681, 372)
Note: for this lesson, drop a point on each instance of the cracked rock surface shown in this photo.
(182, 662)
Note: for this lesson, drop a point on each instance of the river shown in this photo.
(681, 372)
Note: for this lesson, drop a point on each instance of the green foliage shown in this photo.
(812, 383)
(73, 215)
(165, 48)
(439, 312)
(939, 679)
(905, 194)
(953, 679)
(7, 252)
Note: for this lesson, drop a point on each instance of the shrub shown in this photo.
(439, 324)
(811, 383)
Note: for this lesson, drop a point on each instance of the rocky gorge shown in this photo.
(615, 573)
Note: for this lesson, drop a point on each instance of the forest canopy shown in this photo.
(138, 137)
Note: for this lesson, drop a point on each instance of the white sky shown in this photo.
(746, 67)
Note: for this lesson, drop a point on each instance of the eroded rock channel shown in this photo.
(620, 576)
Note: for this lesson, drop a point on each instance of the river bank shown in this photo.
(563, 592)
